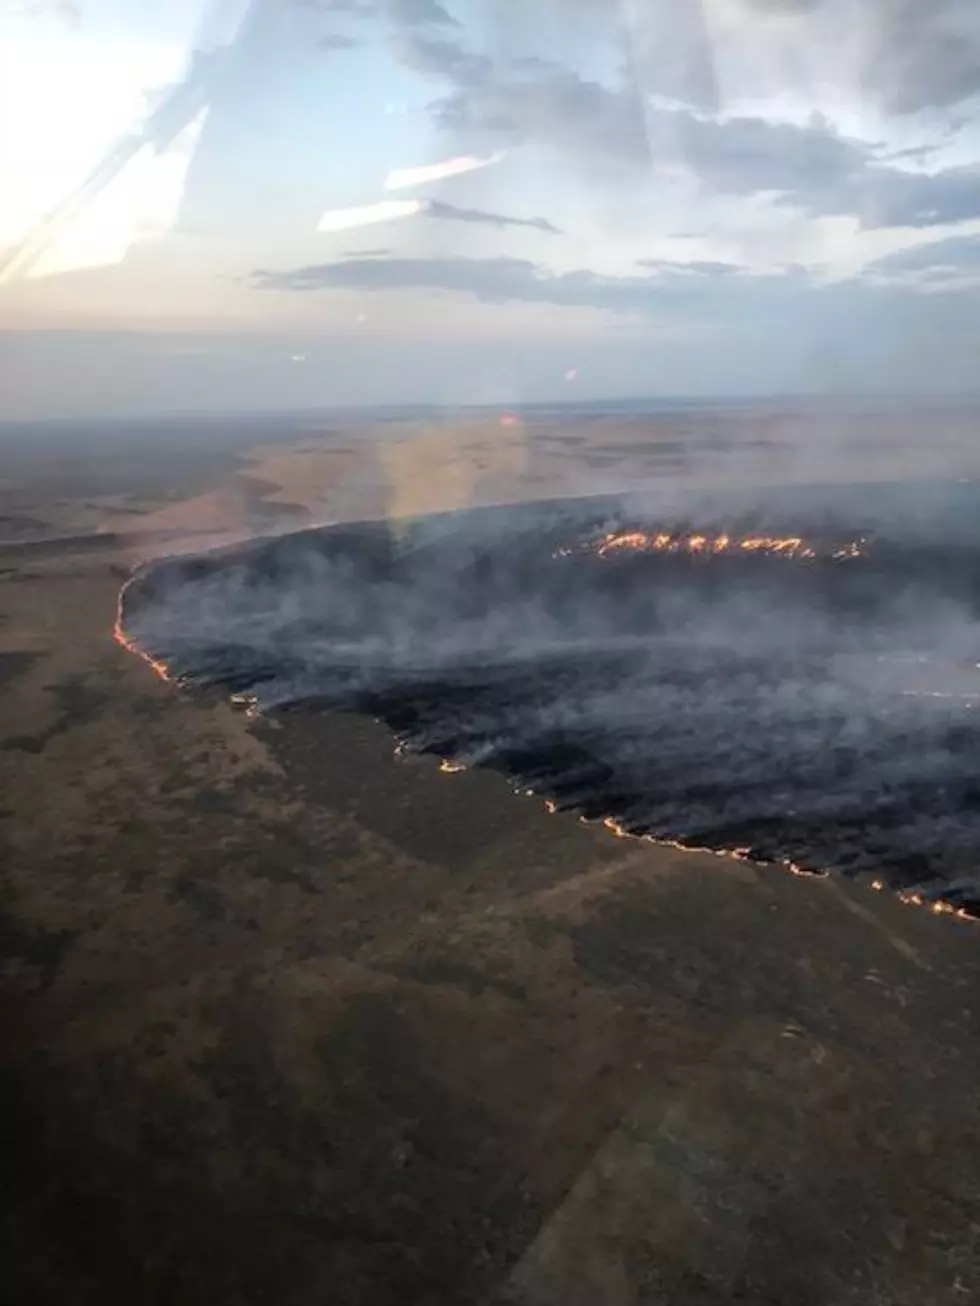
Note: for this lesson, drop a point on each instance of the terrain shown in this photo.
(286, 1018)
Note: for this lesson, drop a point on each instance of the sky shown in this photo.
(317, 202)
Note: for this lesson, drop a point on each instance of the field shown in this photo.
(289, 1020)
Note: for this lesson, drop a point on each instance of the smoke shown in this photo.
(816, 709)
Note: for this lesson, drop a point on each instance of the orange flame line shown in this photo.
(123, 640)
(662, 542)
(939, 907)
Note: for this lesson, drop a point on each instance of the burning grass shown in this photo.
(680, 684)
(708, 545)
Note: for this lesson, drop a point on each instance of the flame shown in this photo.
(123, 640)
(792, 547)
(730, 854)
(938, 907)
(795, 869)
(699, 543)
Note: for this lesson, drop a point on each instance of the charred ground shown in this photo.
(286, 1020)
(790, 680)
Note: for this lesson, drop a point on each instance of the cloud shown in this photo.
(364, 215)
(337, 42)
(439, 209)
(891, 198)
(419, 13)
(745, 155)
(942, 265)
(506, 280)
(786, 6)
(358, 8)
(911, 55)
(925, 54)
(817, 170)
(958, 251)
(907, 55)
(661, 111)
(811, 166)
(555, 106)
(494, 280)
(697, 267)
(670, 53)
(437, 56)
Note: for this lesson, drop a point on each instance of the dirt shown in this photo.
(286, 1020)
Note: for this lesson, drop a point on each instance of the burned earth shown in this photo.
(792, 678)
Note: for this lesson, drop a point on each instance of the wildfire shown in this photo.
(449, 767)
(122, 639)
(795, 869)
(792, 546)
(729, 854)
(938, 907)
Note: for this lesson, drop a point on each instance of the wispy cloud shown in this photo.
(336, 220)
(906, 60)
(439, 209)
(936, 267)
(507, 280)
(694, 267)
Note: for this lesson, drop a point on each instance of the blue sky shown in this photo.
(700, 197)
